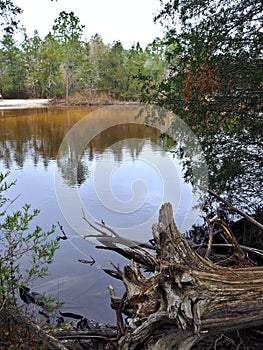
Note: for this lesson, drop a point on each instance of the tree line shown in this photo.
(63, 64)
(207, 67)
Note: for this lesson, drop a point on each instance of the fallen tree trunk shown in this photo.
(186, 297)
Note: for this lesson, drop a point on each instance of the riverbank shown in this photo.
(35, 103)
(24, 103)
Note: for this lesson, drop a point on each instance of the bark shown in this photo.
(186, 297)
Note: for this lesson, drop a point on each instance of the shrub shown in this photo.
(25, 252)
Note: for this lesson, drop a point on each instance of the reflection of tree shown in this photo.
(82, 172)
(37, 134)
(235, 163)
(34, 133)
(30, 136)
(72, 169)
(126, 133)
(233, 154)
(115, 141)
(234, 158)
(179, 139)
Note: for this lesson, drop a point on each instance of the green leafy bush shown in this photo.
(25, 252)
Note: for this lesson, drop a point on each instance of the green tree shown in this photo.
(97, 53)
(214, 82)
(31, 49)
(42, 60)
(12, 70)
(50, 61)
(83, 72)
(67, 30)
(214, 51)
(135, 60)
(155, 69)
(112, 70)
(120, 71)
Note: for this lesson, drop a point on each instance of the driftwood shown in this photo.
(185, 297)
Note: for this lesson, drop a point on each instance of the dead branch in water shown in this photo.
(238, 211)
(187, 297)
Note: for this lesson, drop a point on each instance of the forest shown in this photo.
(208, 64)
(63, 64)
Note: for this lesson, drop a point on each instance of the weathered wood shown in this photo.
(187, 297)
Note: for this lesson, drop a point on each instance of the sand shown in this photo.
(21, 103)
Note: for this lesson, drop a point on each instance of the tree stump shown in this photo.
(186, 297)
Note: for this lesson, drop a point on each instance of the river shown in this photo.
(107, 163)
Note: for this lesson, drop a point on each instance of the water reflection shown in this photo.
(29, 144)
(126, 156)
(235, 161)
(35, 133)
(106, 141)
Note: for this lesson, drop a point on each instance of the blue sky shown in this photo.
(124, 20)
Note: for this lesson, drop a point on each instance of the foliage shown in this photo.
(8, 15)
(214, 83)
(214, 51)
(42, 62)
(63, 65)
(234, 158)
(12, 69)
(25, 252)
(67, 30)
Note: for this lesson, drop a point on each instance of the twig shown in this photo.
(211, 234)
(108, 228)
(241, 212)
(90, 262)
(12, 201)
(64, 237)
(111, 241)
(230, 236)
(120, 328)
(113, 273)
(142, 257)
(85, 336)
(250, 250)
(117, 268)
(92, 226)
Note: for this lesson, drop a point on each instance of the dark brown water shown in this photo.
(122, 174)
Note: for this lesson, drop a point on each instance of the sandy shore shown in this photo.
(19, 103)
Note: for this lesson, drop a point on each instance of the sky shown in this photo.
(129, 21)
